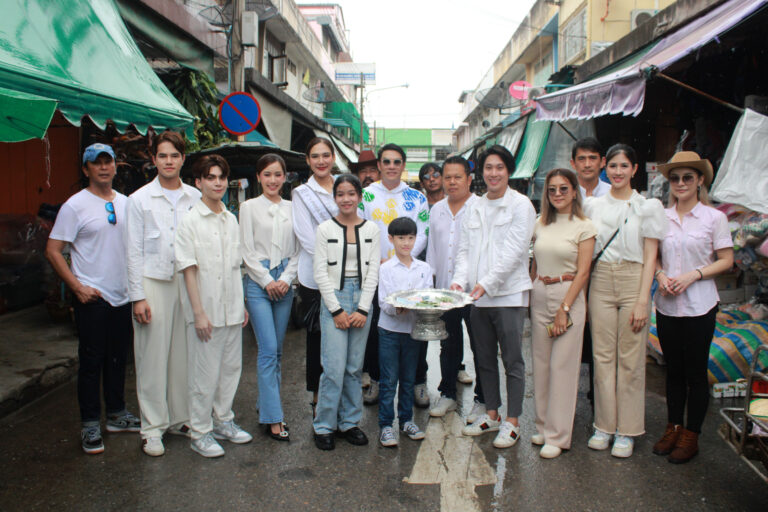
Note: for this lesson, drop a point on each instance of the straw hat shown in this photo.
(691, 160)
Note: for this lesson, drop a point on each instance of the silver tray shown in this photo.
(427, 322)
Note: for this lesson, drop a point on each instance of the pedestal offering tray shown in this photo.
(428, 305)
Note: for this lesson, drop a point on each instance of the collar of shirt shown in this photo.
(314, 185)
(672, 215)
(156, 189)
(203, 209)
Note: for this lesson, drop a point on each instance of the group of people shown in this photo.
(171, 255)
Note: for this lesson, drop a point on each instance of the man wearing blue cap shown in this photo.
(91, 222)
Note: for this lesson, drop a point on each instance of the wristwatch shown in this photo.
(566, 307)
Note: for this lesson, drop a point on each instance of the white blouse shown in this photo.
(645, 218)
(266, 229)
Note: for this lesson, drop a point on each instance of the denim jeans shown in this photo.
(398, 357)
(340, 397)
(269, 320)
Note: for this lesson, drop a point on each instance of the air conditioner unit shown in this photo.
(250, 29)
(640, 16)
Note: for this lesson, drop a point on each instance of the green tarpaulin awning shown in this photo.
(531, 148)
(80, 54)
(24, 116)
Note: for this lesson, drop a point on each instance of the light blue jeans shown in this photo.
(340, 398)
(269, 320)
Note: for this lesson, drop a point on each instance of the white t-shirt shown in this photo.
(98, 251)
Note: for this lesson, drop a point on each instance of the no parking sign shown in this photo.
(239, 113)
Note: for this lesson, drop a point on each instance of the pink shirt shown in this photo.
(687, 246)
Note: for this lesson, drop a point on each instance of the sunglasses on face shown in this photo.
(387, 161)
(685, 178)
(433, 174)
(563, 189)
(111, 217)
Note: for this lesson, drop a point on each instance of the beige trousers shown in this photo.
(556, 363)
(619, 353)
(160, 348)
(214, 369)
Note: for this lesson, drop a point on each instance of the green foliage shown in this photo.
(197, 93)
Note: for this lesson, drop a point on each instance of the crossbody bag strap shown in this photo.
(608, 243)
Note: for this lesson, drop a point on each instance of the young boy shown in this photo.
(398, 352)
(208, 254)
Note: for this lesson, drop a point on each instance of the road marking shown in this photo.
(453, 461)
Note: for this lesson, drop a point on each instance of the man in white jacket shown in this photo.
(160, 342)
(492, 263)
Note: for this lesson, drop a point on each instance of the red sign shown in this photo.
(519, 90)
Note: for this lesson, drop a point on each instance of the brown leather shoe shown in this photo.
(686, 448)
(666, 444)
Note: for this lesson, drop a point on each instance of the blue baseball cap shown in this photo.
(93, 151)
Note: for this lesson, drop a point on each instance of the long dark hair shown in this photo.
(319, 140)
(549, 212)
(501, 152)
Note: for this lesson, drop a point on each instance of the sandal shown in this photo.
(283, 435)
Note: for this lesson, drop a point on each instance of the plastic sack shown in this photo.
(743, 177)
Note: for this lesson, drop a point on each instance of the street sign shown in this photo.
(519, 89)
(239, 113)
(348, 73)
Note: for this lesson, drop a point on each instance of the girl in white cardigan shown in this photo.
(346, 270)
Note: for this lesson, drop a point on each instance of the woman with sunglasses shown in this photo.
(629, 228)
(312, 205)
(270, 252)
(697, 247)
(562, 251)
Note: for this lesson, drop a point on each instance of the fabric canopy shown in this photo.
(511, 136)
(80, 54)
(342, 162)
(276, 119)
(623, 91)
(350, 153)
(534, 142)
(24, 116)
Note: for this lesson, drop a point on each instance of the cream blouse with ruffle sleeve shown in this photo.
(645, 218)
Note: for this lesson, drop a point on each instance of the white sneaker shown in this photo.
(232, 432)
(371, 393)
(622, 446)
(537, 439)
(550, 451)
(478, 410)
(413, 431)
(365, 380)
(207, 446)
(420, 396)
(182, 429)
(507, 436)
(464, 378)
(153, 446)
(599, 440)
(443, 405)
(482, 425)
(387, 437)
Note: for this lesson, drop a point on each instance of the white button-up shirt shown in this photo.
(443, 241)
(151, 221)
(601, 189)
(312, 205)
(212, 242)
(394, 276)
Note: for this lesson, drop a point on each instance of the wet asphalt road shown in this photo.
(43, 468)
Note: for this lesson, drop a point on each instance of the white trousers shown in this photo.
(214, 373)
(160, 348)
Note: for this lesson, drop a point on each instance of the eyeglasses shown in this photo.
(685, 178)
(563, 189)
(111, 217)
(433, 174)
(387, 161)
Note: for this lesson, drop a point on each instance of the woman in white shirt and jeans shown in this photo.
(271, 258)
(629, 227)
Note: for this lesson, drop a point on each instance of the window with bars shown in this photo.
(574, 37)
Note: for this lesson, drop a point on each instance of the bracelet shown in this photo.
(701, 276)
(659, 271)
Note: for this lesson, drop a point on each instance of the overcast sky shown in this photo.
(438, 47)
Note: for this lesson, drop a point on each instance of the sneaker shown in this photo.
(442, 407)
(537, 439)
(622, 446)
(413, 431)
(482, 425)
(371, 394)
(599, 440)
(91, 439)
(507, 436)
(125, 422)
(207, 446)
(477, 411)
(153, 446)
(365, 380)
(420, 396)
(232, 432)
(387, 437)
(464, 378)
(550, 451)
(182, 429)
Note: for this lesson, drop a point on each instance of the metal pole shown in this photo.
(700, 93)
(362, 100)
(238, 64)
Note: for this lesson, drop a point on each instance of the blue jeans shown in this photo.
(269, 320)
(398, 358)
(340, 397)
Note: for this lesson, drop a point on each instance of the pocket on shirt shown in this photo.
(152, 242)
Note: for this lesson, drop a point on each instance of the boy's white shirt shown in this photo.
(395, 276)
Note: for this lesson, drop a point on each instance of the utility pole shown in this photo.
(362, 101)
(238, 64)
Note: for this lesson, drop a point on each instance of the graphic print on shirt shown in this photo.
(388, 215)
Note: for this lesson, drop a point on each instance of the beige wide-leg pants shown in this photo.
(619, 353)
(556, 362)
(214, 373)
(161, 358)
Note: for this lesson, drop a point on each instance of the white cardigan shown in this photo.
(331, 257)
